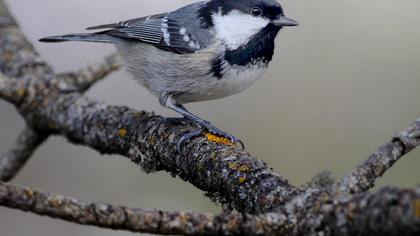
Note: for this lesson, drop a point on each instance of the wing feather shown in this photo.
(159, 30)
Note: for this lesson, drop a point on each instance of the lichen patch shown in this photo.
(29, 192)
(55, 203)
(122, 132)
(217, 139)
(417, 208)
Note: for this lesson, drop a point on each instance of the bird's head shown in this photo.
(237, 21)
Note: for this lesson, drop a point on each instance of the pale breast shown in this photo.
(235, 80)
(188, 77)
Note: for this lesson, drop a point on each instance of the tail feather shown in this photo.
(95, 37)
(107, 26)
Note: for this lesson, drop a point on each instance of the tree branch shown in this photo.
(388, 212)
(364, 176)
(136, 220)
(227, 173)
(86, 77)
(11, 163)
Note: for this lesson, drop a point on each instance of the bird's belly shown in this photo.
(235, 80)
(188, 78)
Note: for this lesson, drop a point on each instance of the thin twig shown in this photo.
(364, 176)
(11, 163)
(86, 77)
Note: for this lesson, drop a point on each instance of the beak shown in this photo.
(284, 21)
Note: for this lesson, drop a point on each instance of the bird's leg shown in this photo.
(204, 126)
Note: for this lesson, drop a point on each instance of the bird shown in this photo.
(203, 51)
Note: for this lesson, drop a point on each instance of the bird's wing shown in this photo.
(158, 30)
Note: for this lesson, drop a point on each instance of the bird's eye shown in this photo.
(256, 11)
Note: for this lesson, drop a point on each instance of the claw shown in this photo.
(187, 138)
(215, 131)
(236, 140)
(231, 138)
(211, 131)
(203, 124)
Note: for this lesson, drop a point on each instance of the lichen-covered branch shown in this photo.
(388, 212)
(364, 176)
(138, 220)
(27, 142)
(86, 77)
(227, 173)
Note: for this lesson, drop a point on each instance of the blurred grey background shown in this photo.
(340, 85)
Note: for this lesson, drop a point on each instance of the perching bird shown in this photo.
(203, 51)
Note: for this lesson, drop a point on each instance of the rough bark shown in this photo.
(136, 220)
(17, 156)
(388, 212)
(364, 176)
(227, 173)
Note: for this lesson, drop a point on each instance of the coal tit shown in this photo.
(203, 51)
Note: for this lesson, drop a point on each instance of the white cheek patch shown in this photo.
(236, 28)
